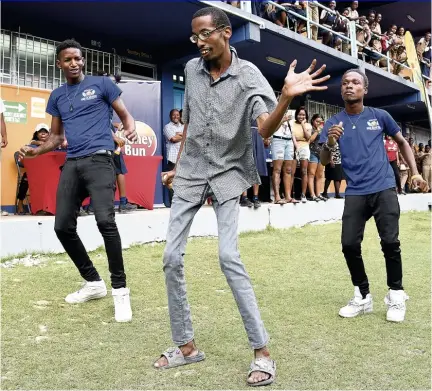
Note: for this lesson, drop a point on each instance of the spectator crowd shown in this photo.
(289, 162)
(382, 47)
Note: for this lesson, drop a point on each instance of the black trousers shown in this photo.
(384, 207)
(395, 167)
(92, 176)
(23, 187)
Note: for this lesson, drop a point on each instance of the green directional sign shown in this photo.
(16, 112)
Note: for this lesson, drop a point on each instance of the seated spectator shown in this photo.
(352, 11)
(328, 19)
(233, 3)
(426, 161)
(301, 131)
(392, 29)
(424, 54)
(363, 35)
(341, 26)
(40, 135)
(272, 13)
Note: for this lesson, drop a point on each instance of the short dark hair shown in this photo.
(69, 43)
(172, 112)
(298, 111)
(101, 72)
(362, 74)
(314, 117)
(219, 17)
(372, 12)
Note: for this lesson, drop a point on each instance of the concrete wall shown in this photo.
(36, 234)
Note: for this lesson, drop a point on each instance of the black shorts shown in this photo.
(120, 164)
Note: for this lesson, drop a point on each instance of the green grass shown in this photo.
(301, 281)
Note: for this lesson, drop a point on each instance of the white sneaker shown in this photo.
(90, 290)
(357, 305)
(396, 307)
(303, 199)
(122, 307)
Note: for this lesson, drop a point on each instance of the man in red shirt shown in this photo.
(393, 156)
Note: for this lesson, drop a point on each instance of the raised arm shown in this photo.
(54, 141)
(295, 84)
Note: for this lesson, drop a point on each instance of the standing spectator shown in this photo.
(315, 169)
(341, 27)
(401, 34)
(314, 16)
(328, 19)
(418, 156)
(392, 150)
(403, 172)
(173, 132)
(3, 138)
(352, 11)
(424, 54)
(378, 20)
(334, 172)
(301, 131)
(260, 156)
(426, 166)
(282, 148)
(363, 35)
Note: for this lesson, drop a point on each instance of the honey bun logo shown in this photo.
(145, 145)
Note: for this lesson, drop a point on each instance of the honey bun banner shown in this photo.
(143, 101)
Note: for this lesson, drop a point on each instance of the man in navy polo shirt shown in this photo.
(81, 108)
(370, 191)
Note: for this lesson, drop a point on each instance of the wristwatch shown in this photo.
(328, 148)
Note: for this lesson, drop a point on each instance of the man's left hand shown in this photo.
(131, 135)
(419, 184)
(299, 83)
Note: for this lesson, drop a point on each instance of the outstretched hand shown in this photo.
(300, 83)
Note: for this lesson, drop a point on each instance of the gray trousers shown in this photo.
(181, 217)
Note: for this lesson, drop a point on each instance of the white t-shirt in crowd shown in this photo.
(283, 131)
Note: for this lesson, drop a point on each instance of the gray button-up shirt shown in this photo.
(218, 150)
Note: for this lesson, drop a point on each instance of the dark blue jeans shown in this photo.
(92, 176)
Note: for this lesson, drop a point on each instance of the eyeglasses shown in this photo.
(205, 34)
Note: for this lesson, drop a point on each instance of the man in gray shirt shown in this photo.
(223, 95)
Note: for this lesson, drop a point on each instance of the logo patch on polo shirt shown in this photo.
(89, 94)
(373, 124)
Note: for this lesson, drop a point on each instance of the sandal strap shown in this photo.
(173, 355)
(263, 365)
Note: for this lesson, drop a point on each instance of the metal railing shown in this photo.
(351, 36)
(26, 60)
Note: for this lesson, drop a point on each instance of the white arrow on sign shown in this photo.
(19, 107)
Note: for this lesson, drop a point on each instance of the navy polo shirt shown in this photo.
(364, 158)
(88, 126)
